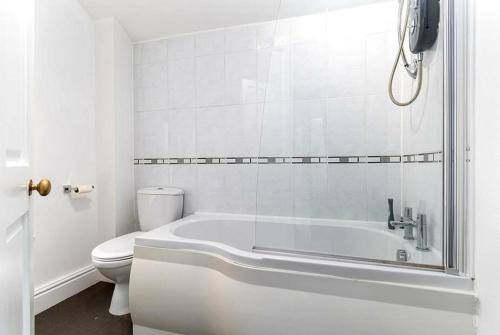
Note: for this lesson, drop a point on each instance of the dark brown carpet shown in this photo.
(84, 314)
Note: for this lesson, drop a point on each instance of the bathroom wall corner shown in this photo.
(115, 129)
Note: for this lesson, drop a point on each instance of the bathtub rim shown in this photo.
(165, 238)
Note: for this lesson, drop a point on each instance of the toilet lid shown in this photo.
(121, 247)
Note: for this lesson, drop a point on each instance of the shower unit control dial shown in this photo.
(423, 24)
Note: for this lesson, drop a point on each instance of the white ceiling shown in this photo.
(150, 19)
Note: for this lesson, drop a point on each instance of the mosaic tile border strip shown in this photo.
(428, 157)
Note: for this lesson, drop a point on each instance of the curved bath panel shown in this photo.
(198, 293)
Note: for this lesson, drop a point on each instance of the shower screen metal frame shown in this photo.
(458, 231)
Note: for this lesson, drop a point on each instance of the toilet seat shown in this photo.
(112, 264)
(117, 250)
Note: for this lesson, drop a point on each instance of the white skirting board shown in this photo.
(62, 288)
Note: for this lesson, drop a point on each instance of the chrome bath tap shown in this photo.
(408, 224)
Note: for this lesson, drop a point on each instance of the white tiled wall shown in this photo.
(312, 85)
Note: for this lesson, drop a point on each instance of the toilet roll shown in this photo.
(84, 189)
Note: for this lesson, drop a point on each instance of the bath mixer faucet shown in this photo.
(408, 224)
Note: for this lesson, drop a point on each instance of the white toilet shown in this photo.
(156, 206)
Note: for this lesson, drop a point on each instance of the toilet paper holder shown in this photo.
(68, 188)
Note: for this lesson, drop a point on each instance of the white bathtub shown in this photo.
(311, 237)
(202, 275)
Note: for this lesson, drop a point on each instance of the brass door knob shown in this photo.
(43, 187)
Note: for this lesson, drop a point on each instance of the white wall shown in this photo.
(115, 124)
(105, 126)
(487, 163)
(64, 133)
(126, 221)
(83, 134)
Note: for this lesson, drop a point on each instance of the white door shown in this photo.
(16, 47)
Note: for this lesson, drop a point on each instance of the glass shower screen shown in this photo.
(333, 149)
